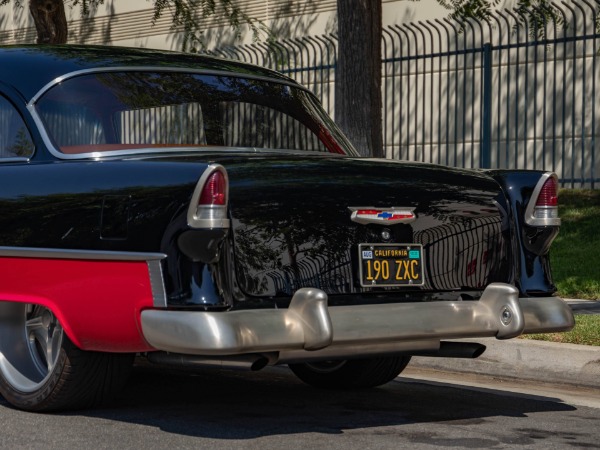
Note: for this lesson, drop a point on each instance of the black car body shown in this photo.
(198, 211)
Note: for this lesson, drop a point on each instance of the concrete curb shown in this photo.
(525, 359)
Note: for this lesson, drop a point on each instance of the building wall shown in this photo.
(128, 23)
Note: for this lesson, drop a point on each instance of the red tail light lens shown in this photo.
(549, 194)
(214, 190)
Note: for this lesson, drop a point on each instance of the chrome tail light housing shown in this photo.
(542, 209)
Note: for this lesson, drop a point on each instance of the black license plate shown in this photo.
(384, 265)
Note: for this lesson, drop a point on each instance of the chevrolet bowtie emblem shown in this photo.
(388, 216)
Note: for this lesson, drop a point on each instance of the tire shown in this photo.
(42, 370)
(351, 374)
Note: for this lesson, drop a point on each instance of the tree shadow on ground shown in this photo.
(247, 405)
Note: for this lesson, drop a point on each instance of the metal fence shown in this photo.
(491, 94)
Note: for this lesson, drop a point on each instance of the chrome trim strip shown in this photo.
(499, 312)
(16, 159)
(157, 283)
(59, 253)
(530, 218)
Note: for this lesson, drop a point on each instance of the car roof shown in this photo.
(28, 68)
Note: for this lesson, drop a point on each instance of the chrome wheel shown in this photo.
(30, 343)
(42, 370)
(45, 338)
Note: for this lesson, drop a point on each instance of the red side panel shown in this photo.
(97, 302)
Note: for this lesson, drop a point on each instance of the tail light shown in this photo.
(208, 206)
(542, 209)
(214, 191)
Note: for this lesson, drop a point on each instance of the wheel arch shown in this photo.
(64, 319)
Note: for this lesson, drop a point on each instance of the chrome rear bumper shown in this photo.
(309, 329)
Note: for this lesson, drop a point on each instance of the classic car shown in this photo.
(190, 211)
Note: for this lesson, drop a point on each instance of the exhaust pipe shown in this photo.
(251, 362)
(469, 350)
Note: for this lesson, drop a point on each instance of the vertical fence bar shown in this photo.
(574, 87)
(583, 88)
(472, 90)
(464, 96)
(396, 32)
(439, 77)
(554, 83)
(593, 97)
(386, 109)
(455, 89)
(408, 91)
(424, 96)
(426, 26)
(500, 85)
(486, 131)
(507, 135)
(447, 127)
(544, 113)
(526, 99)
(535, 90)
(415, 113)
(564, 96)
(333, 62)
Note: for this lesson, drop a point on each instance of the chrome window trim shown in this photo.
(530, 218)
(166, 151)
(15, 159)
(57, 153)
(226, 73)
(96, 255)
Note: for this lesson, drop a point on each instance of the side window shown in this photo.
(15, 140)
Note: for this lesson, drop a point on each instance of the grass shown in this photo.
(575, 260)
(575, 254)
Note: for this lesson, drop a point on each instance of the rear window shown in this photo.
(123, 111)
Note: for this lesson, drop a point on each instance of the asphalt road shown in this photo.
(272, 410)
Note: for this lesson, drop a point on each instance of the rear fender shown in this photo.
(531, 242)
(97, 301)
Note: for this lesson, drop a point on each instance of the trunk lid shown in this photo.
(292, 228)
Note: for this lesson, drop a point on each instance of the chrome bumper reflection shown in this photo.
(310, 327)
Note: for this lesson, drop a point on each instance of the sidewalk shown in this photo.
(527, 359)
(584, 306)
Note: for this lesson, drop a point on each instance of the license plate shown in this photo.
(384, 265)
